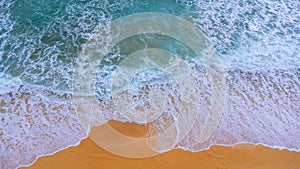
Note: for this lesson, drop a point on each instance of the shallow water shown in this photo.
(256, 42)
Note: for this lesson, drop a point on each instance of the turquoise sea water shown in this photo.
(257, 42)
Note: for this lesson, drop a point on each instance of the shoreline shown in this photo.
(89, 155)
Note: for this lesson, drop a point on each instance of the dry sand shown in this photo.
(90, 156)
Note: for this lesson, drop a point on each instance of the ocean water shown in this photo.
(256, 85)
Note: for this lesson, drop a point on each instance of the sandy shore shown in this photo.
(90, 156)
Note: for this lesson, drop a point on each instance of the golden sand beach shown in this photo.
(88, 155)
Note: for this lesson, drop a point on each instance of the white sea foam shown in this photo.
(261, 108)
(8, 83)
(258, 43)
(251, 34)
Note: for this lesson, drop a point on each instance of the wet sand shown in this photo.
(88, 155)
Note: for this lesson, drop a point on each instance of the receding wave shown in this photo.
(256, 42)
